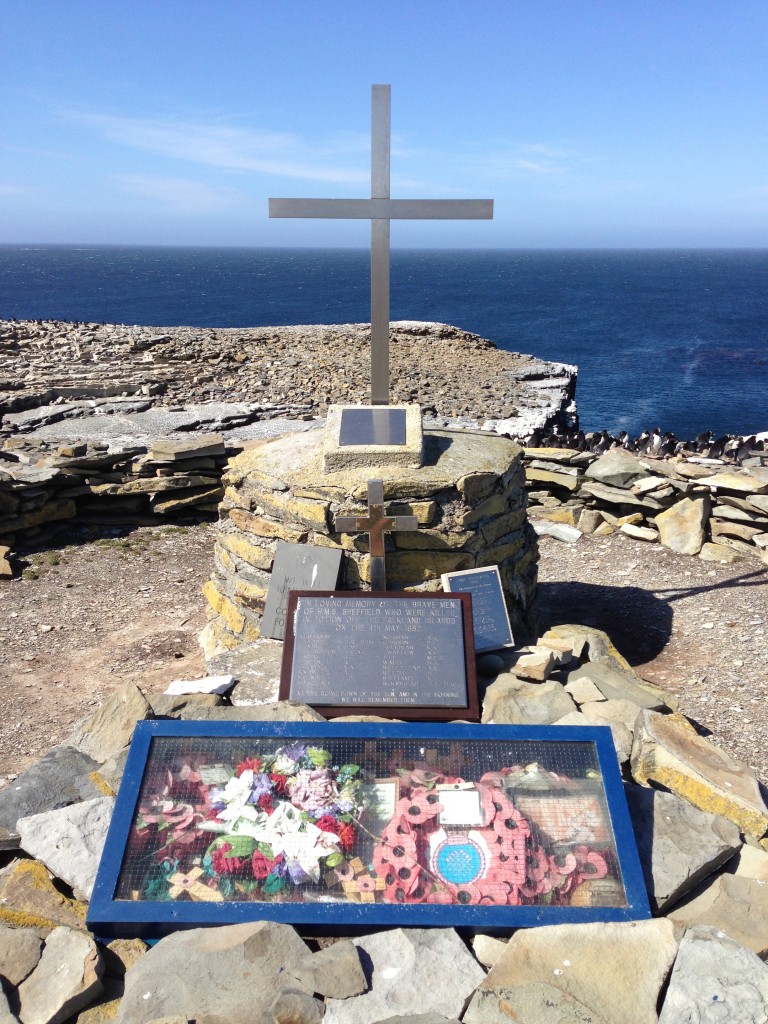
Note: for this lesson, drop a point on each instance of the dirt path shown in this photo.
(88, 616)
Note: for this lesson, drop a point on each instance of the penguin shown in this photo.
(717, 448)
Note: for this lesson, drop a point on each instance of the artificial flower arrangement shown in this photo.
(291, 825)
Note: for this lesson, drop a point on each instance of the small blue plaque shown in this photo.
(490, 619)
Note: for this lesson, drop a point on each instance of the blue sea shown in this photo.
(671, 338)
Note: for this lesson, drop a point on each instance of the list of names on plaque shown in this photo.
(407, 651)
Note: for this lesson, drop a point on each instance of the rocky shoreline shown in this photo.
(292, 371)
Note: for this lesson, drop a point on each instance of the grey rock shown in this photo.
(621, 736)
(616, 496)
(669, 752)
(420, 1018)
(295, 1007)
(681, 528)
(69, 840)
(616, 468)
(679, 845)
(280, 711)
(487, 948)
(426, 968)
(334, 971)
(19, 953)
(613, 972)
(6, 1017)
(256, 668)
(615, 684)
(622, 712)
(735, 905)
(185, 705)
(67, 978)
(752, 862)
(60, 777)
(511, 701)
(236, 973)
(108, 730)
(715, 981)
(531, 1003)
(560, 531)
(112, 770)
(583, 690)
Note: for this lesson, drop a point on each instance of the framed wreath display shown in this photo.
(340, 826)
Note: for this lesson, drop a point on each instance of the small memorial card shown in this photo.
(490, 619)
(397, 655)
(296, 567)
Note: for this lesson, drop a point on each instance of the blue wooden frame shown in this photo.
(110, 918)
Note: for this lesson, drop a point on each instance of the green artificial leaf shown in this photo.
(274, 884)
(241, 846)
(333, 860)
(319, 757)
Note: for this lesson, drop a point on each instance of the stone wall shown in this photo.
(81, 483)
(693, 506)
(468, 497)
(45, 487)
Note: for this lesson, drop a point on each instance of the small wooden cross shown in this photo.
(376, 524)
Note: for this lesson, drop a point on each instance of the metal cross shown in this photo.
(376, 524)
(380, 209)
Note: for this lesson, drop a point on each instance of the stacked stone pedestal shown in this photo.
(468, 496)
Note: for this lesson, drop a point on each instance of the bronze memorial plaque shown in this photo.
(398, 655)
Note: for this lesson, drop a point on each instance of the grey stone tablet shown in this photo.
(397, 653)
(374, 425)
(296, 567)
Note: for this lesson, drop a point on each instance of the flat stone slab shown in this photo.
(62, 776)
(715, 981)
(679, 845)
(280, 711)
(256, 668)
(511, 701)
(603, 973)
(734, 905)
(448, 456)
(242, 972)
(104, 733)
(427, 968)
(67, 978)
(616, 468)
(69, 840)
(20, 950)
(29, 899)
(618, 684)
(670, 754)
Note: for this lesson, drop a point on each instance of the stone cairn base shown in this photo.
(469, 498)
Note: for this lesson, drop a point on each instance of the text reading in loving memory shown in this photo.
(407, 651)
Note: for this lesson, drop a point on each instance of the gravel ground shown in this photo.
(91, 614)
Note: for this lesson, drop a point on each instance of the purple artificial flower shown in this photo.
(261, 784)
(297, 872)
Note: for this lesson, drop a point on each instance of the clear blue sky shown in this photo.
(589, 122)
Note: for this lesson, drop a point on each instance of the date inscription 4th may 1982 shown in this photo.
(389, 651)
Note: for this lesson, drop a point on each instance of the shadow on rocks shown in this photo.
(638, 623)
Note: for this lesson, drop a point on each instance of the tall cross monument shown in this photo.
(380, 209)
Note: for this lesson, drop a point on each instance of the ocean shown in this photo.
(676, 339)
